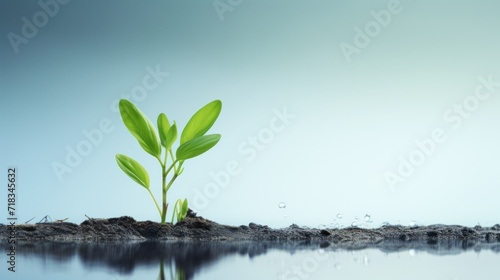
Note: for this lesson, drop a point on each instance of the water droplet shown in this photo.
(354, 224)
(357, 218)
(368, 218)
(412, 252)
(339, 216)
(413, 224)
(322, 226)
(282, 205)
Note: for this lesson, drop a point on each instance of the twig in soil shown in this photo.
(92, 219)
(45, 220)
(29, 220)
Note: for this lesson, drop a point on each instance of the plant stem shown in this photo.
(154, 199)
(179, 168)
(170, 168)
(171, 155)
(175, 212)
(170, 183)
(173, 159)
(166, 157)
(165, 189)
(163, 214)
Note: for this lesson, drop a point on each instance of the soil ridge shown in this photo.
(198, 228)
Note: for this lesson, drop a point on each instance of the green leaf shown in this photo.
(201, 121)
(197, 146)
(171, 136)
(163, 128)
(181, 208)
(184, 208)
(177, 211)
(133, 169)
(141, 127)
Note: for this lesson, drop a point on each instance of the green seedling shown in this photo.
(193, 142)
(180, 210)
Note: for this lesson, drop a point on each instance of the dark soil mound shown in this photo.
(198, 228)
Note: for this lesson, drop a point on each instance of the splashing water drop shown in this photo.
(368, 218)
(339, 216)
(282, 205)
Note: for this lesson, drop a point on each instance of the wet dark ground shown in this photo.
(195, 228)
(123, 245)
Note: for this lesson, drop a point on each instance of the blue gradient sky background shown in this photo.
(352, 120)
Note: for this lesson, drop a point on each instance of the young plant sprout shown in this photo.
(193, 142)
(180, 210)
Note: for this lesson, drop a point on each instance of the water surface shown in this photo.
(253, 260)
